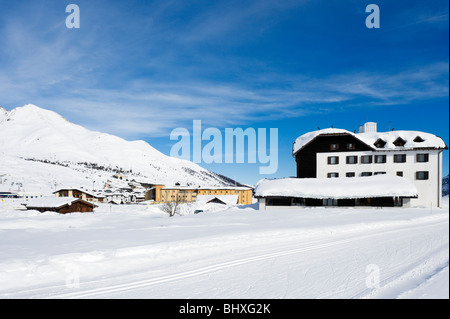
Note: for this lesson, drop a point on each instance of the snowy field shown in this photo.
(239, 252)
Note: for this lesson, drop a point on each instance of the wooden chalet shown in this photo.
(61, 205)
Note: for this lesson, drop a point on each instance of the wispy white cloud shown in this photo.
(426, 82)
(139, 91)
(154, 109)
(231, 17)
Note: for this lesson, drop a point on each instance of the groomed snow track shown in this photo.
(334, 266)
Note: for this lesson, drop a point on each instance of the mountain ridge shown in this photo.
(33, 134)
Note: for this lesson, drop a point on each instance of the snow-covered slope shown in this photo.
(3, 114)
(38, 142)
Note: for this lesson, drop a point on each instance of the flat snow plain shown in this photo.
(137, 251)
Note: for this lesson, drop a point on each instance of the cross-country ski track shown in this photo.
(332, 264)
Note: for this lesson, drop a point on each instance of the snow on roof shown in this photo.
(414, 139)
(226, 199)
(80, 190)
(208, 188)
(304, 139)
(240, 188)
(340, 188)
(52, 202)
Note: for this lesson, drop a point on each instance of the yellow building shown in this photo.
(154, 193)
(162, 194)
(178, 194)
(245, 193)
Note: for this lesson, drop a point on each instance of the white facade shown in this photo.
(338, 153)
(429, 184)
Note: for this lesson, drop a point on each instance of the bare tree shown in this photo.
(170, 208)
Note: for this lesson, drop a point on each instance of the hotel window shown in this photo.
(399, 158)
(350, 174)
(329, 202)
(400, 173)
(332, 175)
(423, 175)
(366, 174)
(352, 159)
(334, 147)
(422, 158)
(366, 159)
(380, 159)
(333, 160)
(351, 146)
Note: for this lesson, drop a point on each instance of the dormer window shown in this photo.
(399, 142)
(418, 139)
(380, 143)
(334, 147)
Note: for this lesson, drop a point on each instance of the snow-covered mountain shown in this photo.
(41, 150)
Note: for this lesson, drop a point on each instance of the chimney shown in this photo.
(368, 127)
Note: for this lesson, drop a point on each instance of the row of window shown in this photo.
(377, 159)
(220, 192)
(349, 146)
(380, 143)
(184, 194)
(420, 175)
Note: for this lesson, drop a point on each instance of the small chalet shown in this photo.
(78, 193)
(62, 205)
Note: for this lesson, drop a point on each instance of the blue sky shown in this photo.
(139, 69)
